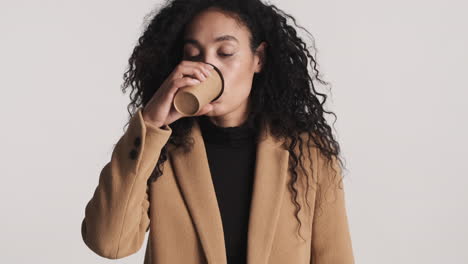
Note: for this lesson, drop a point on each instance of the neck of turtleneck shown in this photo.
(236, 136)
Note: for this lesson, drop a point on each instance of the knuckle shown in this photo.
(187, 79)
(175, 83)
(172, 82)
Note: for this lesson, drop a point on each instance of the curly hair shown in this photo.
(283, 93)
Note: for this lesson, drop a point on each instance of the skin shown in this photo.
(200, 44)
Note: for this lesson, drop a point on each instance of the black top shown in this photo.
(231, 156)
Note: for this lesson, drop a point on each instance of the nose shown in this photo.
(205, 58)
(210, 64)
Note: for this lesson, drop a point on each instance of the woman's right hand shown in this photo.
(160, 111)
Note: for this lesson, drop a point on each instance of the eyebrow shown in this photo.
(217, 39)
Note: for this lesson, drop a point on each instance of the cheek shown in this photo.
(233, 96)
(236, 69)
(237, 80)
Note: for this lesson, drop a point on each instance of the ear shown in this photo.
(260, 57)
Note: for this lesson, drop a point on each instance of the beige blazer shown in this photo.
(186, 225)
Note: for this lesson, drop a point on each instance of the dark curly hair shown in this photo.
(283, 93)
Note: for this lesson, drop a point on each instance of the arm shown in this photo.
(116, 218)
(331, 241)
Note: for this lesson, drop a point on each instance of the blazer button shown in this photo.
(133, 154)
(137, 141)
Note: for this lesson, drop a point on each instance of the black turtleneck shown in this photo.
(231, 155)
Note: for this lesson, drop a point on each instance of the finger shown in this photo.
(206, 67)
(199, 70)
(186, 81)
(179, 83)
(194, 71)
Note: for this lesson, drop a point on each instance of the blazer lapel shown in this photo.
(269, 187)
(194, 177)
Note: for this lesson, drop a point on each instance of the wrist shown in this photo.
(150, 122)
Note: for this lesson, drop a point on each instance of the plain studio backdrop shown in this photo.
(398, 85)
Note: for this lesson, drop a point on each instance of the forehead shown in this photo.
(212, 25)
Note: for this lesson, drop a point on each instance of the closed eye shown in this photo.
(220, 54)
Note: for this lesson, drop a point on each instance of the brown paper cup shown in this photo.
(190, 99)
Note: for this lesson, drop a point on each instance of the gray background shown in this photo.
(398, 88)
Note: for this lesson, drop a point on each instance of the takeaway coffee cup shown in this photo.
(190, 99)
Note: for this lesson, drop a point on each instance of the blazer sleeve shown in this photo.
(116, 218)
(331, 241)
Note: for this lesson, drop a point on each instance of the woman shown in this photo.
(229, 184)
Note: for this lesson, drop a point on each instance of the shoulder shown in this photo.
(323, 167)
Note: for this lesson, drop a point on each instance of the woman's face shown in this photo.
(216, 38)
